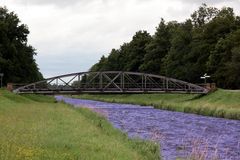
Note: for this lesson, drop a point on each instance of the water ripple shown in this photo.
(179, 134)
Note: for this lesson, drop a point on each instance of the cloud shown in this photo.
(67, 3)
(72, 35)
(60, 3)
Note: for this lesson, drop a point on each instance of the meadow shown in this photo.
(34, 127)
(221, 103)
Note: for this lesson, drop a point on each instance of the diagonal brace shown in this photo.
(66, 84)
(112, 81)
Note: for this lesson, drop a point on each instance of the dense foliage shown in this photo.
(208, 42)
(16, 56)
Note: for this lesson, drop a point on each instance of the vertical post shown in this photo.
(142, 82)
(123, 85)
(100, 80)
(79, 81)
(121, 80)
(145, 82)
(163, 85)
(166, 83)
(57, 82)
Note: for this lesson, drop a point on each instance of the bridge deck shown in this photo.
(110, 82)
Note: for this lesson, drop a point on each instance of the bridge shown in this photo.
(110, 82)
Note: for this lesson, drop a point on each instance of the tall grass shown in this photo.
(36, 127)
(222, 103)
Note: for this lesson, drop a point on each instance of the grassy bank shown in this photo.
(36, 127)
(222, 103)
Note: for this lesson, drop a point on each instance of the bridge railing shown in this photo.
(110, 81)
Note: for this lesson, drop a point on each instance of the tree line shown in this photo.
(17, 61)
(207, 42)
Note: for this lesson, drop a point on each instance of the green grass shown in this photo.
(221, 103)
(36, 127)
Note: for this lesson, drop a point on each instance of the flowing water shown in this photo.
(180, 135)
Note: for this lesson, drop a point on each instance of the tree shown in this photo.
(16, 56)
(203, 15)
(232, 74)
(158, 48)
(177, 61)
(205, 37)
(137, 50)
(224, 61)
(207, 42)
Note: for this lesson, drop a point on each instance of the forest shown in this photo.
(207, 42)
(17, 61)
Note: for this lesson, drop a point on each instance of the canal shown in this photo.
(180, 135)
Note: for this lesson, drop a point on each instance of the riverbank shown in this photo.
(182, 136)
(37, 127)
(221, 103)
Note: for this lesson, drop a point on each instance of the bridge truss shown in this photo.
(109, 82)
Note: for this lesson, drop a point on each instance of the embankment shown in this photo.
(39, 128)
(221, 103)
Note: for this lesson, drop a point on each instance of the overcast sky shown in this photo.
(71, 35)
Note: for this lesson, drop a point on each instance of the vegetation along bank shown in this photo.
(221, 103)
(36, 127)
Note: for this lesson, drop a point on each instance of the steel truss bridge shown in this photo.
(110, 82)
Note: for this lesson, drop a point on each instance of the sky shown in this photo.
(71, 35)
